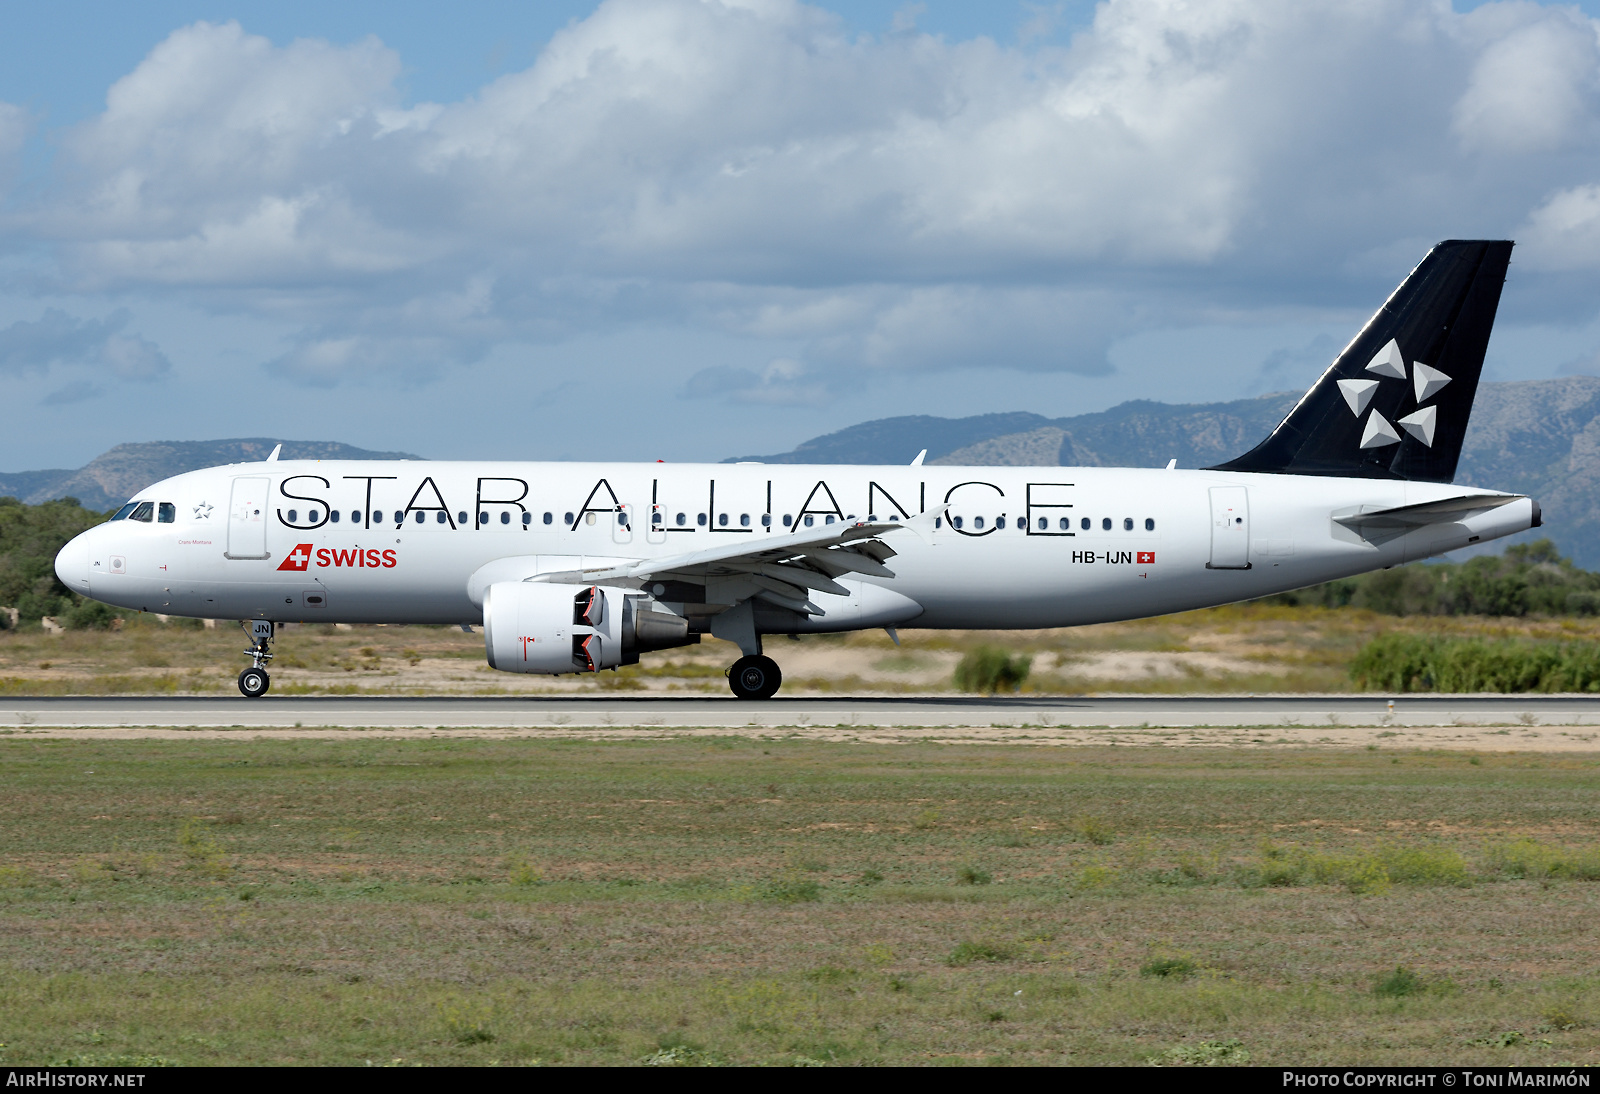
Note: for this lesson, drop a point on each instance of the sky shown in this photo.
(695, 229)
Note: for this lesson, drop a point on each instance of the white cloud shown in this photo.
(749, 168)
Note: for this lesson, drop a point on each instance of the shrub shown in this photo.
(1230, 1053)
(1170, 967)
(790, 889)
(1091, 829)
(968, 952)
(1415, 662)
(1398, 984)
(973, 875)
(989, 669)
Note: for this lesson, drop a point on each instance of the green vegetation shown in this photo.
(1432, 662)
(1528, 579)
(30, 537)
(989, 669)
(729, 901)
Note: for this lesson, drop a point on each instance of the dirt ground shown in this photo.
(1238, 649)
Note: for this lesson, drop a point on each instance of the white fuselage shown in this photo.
(400, 542)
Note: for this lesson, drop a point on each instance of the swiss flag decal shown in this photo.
(298, 559)
(1146, 558)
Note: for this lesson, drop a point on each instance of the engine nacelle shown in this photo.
(532, 626)
(541, 627)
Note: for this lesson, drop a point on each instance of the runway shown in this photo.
(1010, 712)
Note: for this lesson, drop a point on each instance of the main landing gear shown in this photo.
(254, 681)
(755, 677)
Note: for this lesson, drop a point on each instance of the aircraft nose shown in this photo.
(72, 564)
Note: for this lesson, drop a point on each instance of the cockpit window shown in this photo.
(144, 511)
(166, 513)
(122, 514)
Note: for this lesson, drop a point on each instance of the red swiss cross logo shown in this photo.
(1146, 558)
(298, 559)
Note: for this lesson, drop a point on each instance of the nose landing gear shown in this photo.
(755, 677)
(254, 681)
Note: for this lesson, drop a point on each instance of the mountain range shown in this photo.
(112, 477)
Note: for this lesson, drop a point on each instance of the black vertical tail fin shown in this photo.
(1395, 403)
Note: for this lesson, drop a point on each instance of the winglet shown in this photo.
(273, 456)
(920, 456)
(1172, 465)
(923, 523)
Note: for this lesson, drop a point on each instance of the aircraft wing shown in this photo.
(785, 568)
(1428, 512)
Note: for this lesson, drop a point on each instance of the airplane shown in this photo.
(583, 567)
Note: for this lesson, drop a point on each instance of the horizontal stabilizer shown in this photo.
(1428, 512)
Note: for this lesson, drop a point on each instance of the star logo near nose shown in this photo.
(202, 511)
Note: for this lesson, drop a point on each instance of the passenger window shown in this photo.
(682, 519)
(399, 517)
(144, 512)
(827, 520)
(313, 516)
(766, 520)
(589, 519)
(744, 520)
(483, 518)
(977, 522)
(722, 520)
(122, 514)
(1105, 524)
(1066, 523)
(787, 520)
(333, 515)
(655, 518)
(166, 513)
(1149, 524)
(566, 518)
(527, 519)
(938, 522)
(810, 521)
(549, 518)
(377, 516)
(1127, 524)
(1044, 524)
(1000, 522)
(421, 516)
(461, 517)
(505, 516)
(700, 519)
(955, 522)
(294, 515)
(1084, 524)
(441, 517)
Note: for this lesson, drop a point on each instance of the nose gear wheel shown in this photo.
(253, 683)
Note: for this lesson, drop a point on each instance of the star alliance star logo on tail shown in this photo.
(298, 559)
(1389, 362)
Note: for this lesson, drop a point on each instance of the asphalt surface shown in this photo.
(886, 711)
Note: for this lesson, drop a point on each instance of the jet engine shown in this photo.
(541, 627)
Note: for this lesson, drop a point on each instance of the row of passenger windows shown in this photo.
(142, 511)
(1064, 524)
(161, 512)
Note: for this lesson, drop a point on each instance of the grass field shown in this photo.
(728, 901)
(1240, 648)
